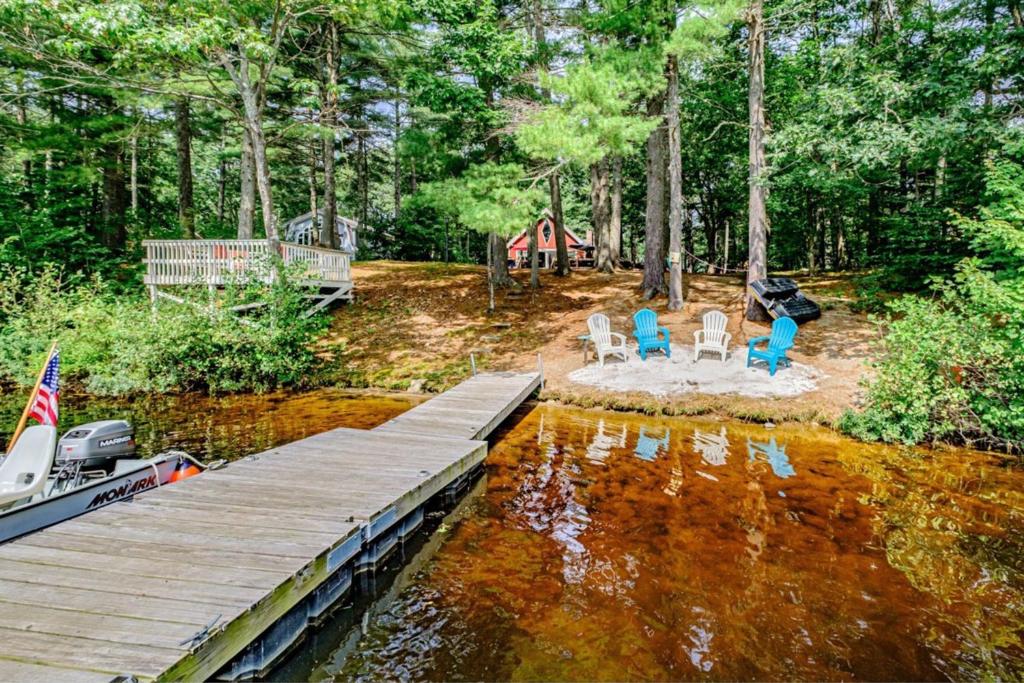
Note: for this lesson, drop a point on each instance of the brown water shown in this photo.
(619, 547)
(610, 546)
(214, 427)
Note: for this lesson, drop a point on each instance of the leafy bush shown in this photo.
(951, 366)
(119, 344)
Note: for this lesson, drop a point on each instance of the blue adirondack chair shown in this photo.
(648, 333)
(781, 339)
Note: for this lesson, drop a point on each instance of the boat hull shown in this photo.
(148, 474)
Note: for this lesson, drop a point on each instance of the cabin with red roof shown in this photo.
(519, 246)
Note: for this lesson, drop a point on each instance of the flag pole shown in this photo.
(31, 399)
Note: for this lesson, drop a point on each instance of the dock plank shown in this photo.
(101, 603)
(120, 585)
(105, 627)
(190, 553)
(95, 656)
(119, 590)
(162, 568)
(28, 672)
(500, 392)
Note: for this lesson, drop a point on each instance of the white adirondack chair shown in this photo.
(713, 338)
(604, 339)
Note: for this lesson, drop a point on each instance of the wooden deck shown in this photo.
(177, 583)
(218, 263)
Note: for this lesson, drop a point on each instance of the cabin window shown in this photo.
(546, 231)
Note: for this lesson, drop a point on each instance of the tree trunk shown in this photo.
(222, 185)
(554, 183)
(362, 168)
(252, 106)
(675, 182)
(328, 231)
(688, 255)
(499, 257)
(490, 274)
(261, 167)
(812, 226)
(600, 211)
(21, 118)
(398, 161)
(615, 219)
(247, 191)
(874, 221)
(114, 201)
(725, 249)
(757, 229)
(820, 240)
(134, 178)
(186, 202)
(654, 254)
(534, 259)
(711, 237)
(315, 227)
(990, 18)
(561, 249)
(329, 119)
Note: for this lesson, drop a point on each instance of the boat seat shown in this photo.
(23, 472)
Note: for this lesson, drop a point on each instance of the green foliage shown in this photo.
(699, 31)
(116, 344)
(488, 198)
(951, 366)
(880, 119)
(593, 118)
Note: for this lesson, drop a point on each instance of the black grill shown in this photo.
(784, 299)
(798, 307)
(775, 287)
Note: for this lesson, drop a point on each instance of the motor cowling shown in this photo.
(97, 445)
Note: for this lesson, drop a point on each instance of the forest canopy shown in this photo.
(711, 136)
(132, 119)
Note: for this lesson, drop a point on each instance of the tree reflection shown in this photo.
(954, 529)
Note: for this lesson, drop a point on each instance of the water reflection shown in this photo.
(712, 448)
(213, 427)
(648, 447)
(773, 454)
(600, 553)
(602, 443)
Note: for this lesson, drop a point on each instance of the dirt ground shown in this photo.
(413, 327)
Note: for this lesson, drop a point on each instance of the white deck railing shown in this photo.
(220, 262)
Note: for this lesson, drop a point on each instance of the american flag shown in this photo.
(44, 408)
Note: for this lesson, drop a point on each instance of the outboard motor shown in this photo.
(96, 445)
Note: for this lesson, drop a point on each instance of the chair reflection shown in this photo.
(773, 454)
(600, 446)
(712, 448)
(648, 448)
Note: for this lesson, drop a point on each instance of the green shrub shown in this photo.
(951, 366)
(117, 344)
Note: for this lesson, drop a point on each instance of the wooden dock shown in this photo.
(229, 567)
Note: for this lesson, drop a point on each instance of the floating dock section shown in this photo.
(223, 572)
